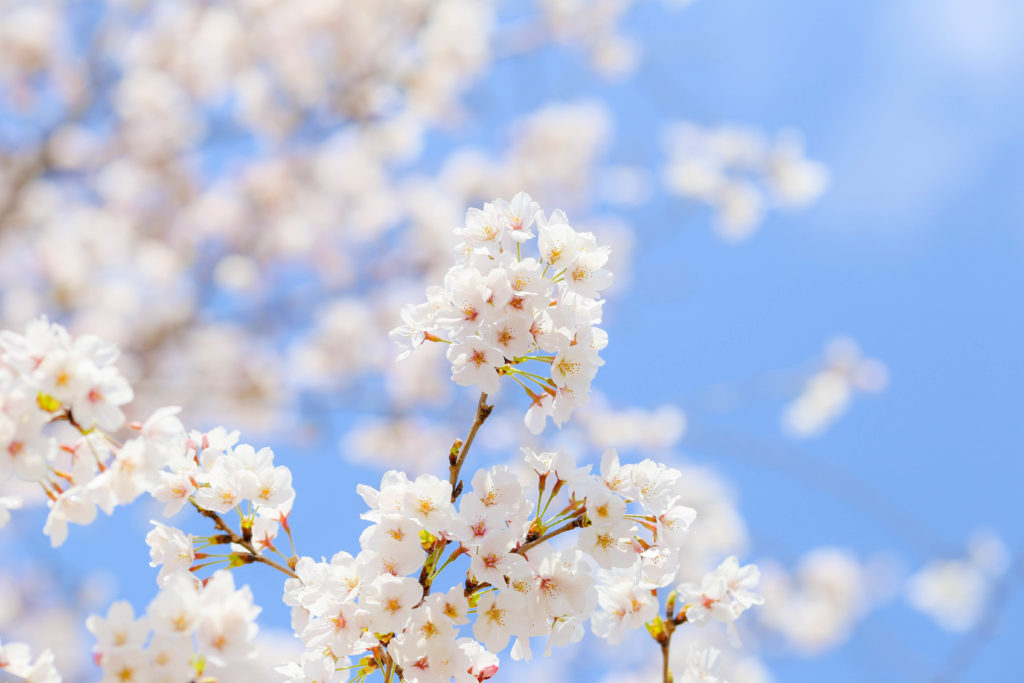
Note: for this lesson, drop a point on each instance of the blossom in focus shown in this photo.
(507, 303)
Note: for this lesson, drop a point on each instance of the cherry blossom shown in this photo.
(523, 576)
(500, 309)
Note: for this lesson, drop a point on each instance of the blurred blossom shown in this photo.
(633, 428)
(628, 185)
(740, 173)
(955, 592)
(594, 24)
(37, 609)
(722, 529)
(818, 605)
(827, 393)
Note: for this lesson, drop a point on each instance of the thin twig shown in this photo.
(482, 412)
(575, 523)
(666, 674)
(219, 522)
(828, 477)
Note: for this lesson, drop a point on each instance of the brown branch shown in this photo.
(426, 580)
(665, 640)
(40, 163)
(666, 673)
(575, 523)
(662, 629)
(456, 461)
(33, 169)
(254, 556)
(963, 654)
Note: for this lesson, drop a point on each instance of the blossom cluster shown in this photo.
(738, 171)
(723, 594)
(58, 398)
(101, 216)
(217, 474)
(61, 404)
(500, 306)
(190, 629)
(504, 531)
(630, 524)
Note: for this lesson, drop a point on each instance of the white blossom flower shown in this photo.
(227, 620)
(389, 601)
(701, 664)
(497, 619)
(723, 594)
(170, 549)
(625, 606)
(174, 612)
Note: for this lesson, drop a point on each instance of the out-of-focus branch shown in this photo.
(39, 163)
(830, 478)
(970, 646)
(36, 167)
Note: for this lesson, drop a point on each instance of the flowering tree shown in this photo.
(498, 311)
(244, 197)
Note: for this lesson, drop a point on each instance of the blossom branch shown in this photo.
(483, 411)
(666, 673)
(253, 556)
(578, 522)
(371, 605)
(661, 630)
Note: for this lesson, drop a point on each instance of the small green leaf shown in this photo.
(656, 627)
(427, 540)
